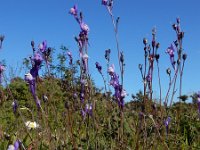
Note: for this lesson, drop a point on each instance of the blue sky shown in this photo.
(22, 21)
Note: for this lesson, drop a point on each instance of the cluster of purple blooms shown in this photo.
(87, 111)
(41, 54)
(176, 46)
(82, 41)
(120, 93)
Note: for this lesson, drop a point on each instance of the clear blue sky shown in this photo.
(24, 20)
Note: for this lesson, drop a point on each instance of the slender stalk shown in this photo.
(159, 83)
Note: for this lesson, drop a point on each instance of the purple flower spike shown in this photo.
(167, 121)
(170, 50)
(88, 109)
(31, 81)
(37, 60)
(99, 67)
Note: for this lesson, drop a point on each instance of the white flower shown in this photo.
(31, 125)
(123, 93)
(111, 69)
(85, 57)
(11, 147)
(85, 27)
(28, 77)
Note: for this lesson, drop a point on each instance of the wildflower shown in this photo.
(85, 62)
(70, 57)
(31, 125)
(31, 81)
(82, 93)
(37, 60)
(83, 113)
(99, 67)
(167, 121)
(45, 98)
(145, 41)
(88, 109)
(16, 144)
(74, 10)
(14, 106)
(75, 96)
(168, 71)
(11, 147)
(111, 70)
(43, 46)
(170, 50)
(84, 27)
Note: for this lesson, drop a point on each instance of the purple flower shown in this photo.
(84, 28)
(75, 96)
(70, 57)
(43, 46)
(167, 121)
(83, 113)
(99, 67)
(104, 2)
(85, 62)
(114, 82)
(88, 109)
(31, 81)
(37, 60)
(74, 10)
(16, 144)
(14, 106)
(82, 93)
(170, 50)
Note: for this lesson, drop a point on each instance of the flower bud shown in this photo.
(157, 56)
(184, 57)
(2, 38)
(174, 26)
(140, 66)
(157, 45)
(178, 20)
(168, 71)
(32, 43)
(145, 41)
